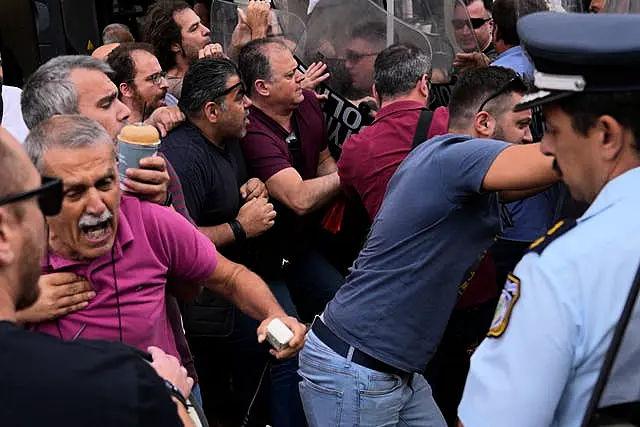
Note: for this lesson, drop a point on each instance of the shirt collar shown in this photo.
(398, 106)
(124, 236)
(513, 51)
(613, 192)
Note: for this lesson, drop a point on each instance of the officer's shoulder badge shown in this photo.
(554, 232)
(508, 298)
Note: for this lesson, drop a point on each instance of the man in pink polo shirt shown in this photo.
(127, 249)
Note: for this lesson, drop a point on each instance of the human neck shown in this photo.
(7, 301)
(461, 131)
(209, 132)
(501, 47)
(280, 115)
(136, 112)
(61, 249)
(180, 68)
(413, 96)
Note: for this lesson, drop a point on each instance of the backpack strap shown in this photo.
(422, 129)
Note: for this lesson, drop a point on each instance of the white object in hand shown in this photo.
(278, 334)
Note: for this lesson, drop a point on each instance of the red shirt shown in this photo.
(371, 157)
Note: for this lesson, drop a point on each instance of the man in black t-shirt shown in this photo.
(232, 210)
(44, 381)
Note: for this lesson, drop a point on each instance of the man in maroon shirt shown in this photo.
(286, 148)
(371, 157)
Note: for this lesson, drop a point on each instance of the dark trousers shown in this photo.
(447, 371)
(229, 371)
(312, 282)
(506, 255)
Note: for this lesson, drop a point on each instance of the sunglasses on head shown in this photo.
(49, 196)
(228, 90)
(514, 81)
(475, 23)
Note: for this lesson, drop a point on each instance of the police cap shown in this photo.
(577, 53)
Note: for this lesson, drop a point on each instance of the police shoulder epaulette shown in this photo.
(554, 232)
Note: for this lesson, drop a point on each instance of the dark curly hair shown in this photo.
(122, 63)
(160, 30)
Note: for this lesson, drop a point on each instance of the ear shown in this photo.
(612, 136)
(262, 87)
(176, 48)
(211, 112)
(6, 251)
(495, 34)
(375, 94)
(126, 90)
(484, 125)
(423, 86)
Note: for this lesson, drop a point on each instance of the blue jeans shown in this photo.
(338, 392)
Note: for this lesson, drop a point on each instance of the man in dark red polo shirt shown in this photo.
(370, 158)
(286, 148)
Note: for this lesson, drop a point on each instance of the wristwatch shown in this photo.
(173, 390)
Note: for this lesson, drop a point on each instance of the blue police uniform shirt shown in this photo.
(515, 59)
(542, 370)
(434, 224)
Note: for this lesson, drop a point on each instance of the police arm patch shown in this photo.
(508, 298)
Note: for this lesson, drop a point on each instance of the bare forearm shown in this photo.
(512, 196)
(247, 291)
(327, 166)
(520, 167)
(315, 193)
(183, 414)
(220, 235)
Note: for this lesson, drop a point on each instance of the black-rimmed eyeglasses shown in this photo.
(513, 82)
(155, 78)
(49, 196)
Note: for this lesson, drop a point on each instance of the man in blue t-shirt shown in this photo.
(441, 212)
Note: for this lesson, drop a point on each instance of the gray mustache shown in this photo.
(88, 220)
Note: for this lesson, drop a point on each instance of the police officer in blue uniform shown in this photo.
(558, 310)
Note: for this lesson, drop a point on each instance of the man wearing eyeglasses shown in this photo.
(366, 353)
(367, 40)
(142, 85)
(71, 384)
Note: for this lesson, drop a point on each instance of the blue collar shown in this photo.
(615, 190)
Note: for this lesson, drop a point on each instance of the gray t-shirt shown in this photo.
(434, 224)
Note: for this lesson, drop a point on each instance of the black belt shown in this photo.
(342, 348)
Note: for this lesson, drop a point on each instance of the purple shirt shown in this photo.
(265, 149)
(153, 244)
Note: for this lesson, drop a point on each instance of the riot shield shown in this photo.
(284, 24)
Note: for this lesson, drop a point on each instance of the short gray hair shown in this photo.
(48, 91)
(398, 68)
(117, 33)
(66, 131)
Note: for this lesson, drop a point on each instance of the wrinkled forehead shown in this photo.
(80, 164)
(92, 85)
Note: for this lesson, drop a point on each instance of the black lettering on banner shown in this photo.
(342, 117)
